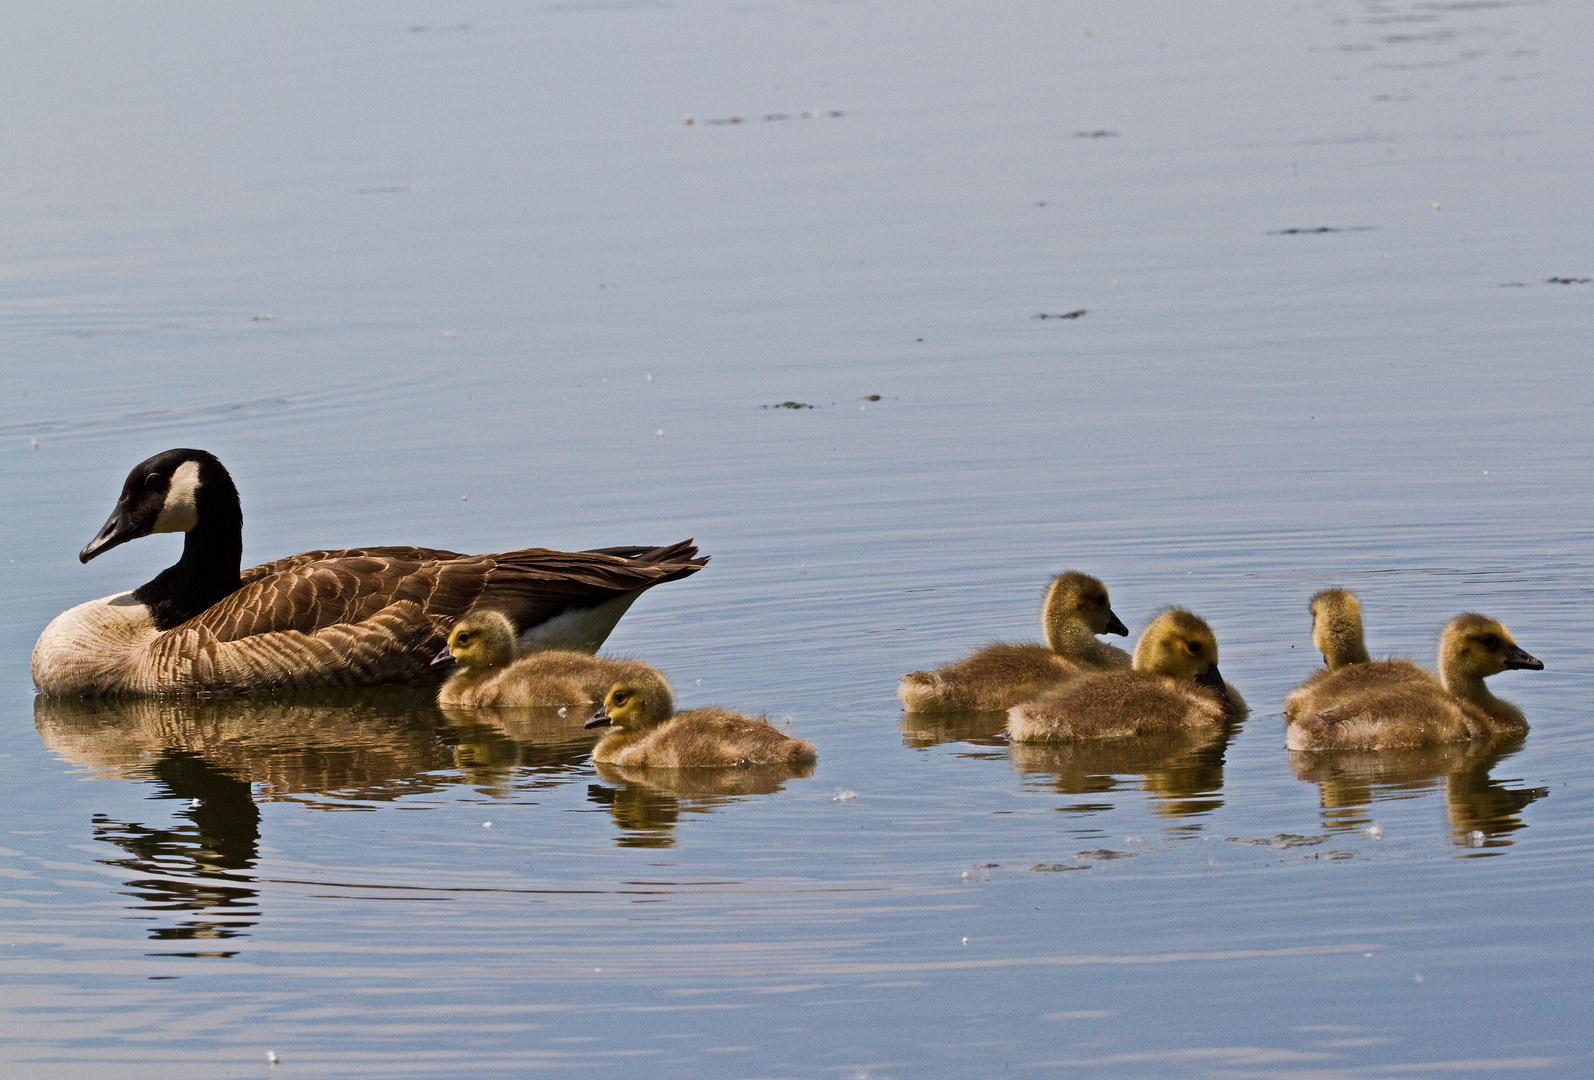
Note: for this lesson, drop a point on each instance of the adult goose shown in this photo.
(353, 617)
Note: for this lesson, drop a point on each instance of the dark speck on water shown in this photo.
(788, 405)
(1064, 315)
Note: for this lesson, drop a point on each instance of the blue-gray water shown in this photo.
(459, 274)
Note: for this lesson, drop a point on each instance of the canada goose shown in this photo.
(482, 643)
(1174, 684)
(649, 733)
(1337, 634)
(1075, 610)
(354, 617)
(1390, 703)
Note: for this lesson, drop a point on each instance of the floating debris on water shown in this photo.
(1376, 832)
(788, 405)
(1064, 315)
(1567, 280)
(264, 317)
(871, 397)
(1104, 854)
(1099, 133)
(1477, 838)
(1057, 867)
(1321, 229)
(811, 114)
(845, 795)
(1282, 840)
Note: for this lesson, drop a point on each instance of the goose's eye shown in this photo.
(1488, 641)
(154, 481)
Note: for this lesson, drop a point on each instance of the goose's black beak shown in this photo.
(443, 657)
(1212, 679)
(1517, 660)
(1115, 625)
(119, 529)
(599, 719)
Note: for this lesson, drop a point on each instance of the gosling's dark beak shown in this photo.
(1516, 659)
(599, 719)
(1212, 679)
(119, 529)
(443, 657)
(1115, 625)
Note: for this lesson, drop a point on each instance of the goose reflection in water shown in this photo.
(647, 803)
(223, 756)
(1182, 771)
(1482, 811)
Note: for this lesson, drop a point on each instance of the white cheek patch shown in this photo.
(180, 512)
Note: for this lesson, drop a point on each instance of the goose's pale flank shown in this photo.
(482, 643)
(1075, 610)
(648, 733)
(354, 617)
(1175, 684)
(1394, 703)
(1337, 635)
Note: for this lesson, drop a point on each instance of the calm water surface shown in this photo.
(459, 275)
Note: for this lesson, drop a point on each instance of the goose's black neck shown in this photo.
(212, 555)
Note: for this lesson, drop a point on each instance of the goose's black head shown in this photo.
(178, 491)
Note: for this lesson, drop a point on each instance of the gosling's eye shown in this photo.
(619, 698)
(462, 638)
(1488, 641)
(1194, 647)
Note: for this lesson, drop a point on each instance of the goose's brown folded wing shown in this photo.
(529, 586)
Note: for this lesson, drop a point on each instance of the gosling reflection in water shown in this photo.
(646, 803)
(923, 730)
(497, 748)
(1482, 811)
(1182, 771)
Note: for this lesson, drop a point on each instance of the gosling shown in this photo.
(647, 732)
(1394, 703)
(1337, 634)
(1174, 685)
(999, 676)
(482, 643)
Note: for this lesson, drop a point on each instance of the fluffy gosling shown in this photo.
(1394, 703)
(646, 731)
(1337, 634)
(1075, 610)
(1175, 684)
(482, 643)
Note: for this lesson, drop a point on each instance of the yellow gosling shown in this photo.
(1394, 703)
(1075, 610)
(1174, 685)
(647, 732)
(1337, 634)
(482, 643)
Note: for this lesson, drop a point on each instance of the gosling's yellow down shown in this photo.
(1075, 610)
(482, 643)
(1174, 685)
(1394, 703)
(647, 732)
(1337, 634)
